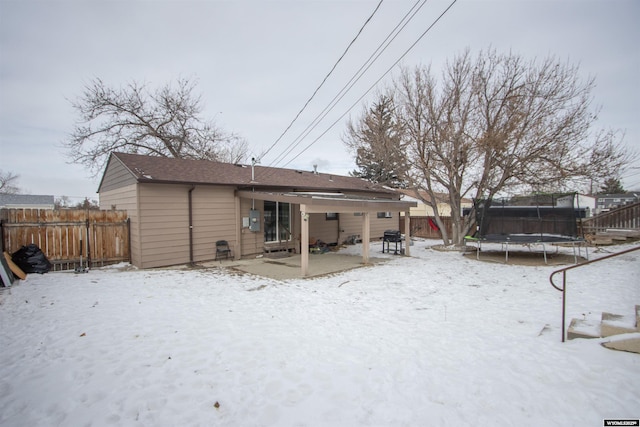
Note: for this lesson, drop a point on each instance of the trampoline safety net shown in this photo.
(539, 214)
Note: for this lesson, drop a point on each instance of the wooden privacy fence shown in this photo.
(420, 227)
(624, 217)
(100, 237)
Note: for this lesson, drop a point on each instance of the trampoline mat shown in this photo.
(529, 238)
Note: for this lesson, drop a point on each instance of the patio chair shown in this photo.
(222, 249)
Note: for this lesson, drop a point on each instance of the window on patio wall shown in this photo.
(277, 221)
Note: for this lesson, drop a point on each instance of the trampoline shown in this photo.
(541, 219)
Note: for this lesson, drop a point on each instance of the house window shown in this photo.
(385, 215)
(332, 216)
(277, 221)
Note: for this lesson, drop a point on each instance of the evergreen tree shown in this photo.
(377, 142)
(612, 186)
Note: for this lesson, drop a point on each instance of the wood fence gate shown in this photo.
(100, 237)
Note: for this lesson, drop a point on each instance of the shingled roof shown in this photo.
(26, 201)
(157, 169)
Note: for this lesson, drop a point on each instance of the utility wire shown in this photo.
(349, 85)
(324, 80)
(374, 85)
(354, 79)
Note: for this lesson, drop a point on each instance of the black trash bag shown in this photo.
(31, 259)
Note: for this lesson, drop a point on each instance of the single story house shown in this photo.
(26, 201)
(180, 208)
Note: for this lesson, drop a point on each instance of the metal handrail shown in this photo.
(564, 280)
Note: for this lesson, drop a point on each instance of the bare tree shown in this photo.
(498, 124)
(376, 139)
(65, 202)
(8, 182)
(437, 147)
(165, 122)
(62, 202)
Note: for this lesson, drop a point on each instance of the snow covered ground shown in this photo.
(436, 339)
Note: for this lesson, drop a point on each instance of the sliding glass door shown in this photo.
(277, 221)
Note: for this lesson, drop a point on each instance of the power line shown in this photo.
(634, 184)
(354, 79)
(325, 79)
(374, 85)
(629, 175)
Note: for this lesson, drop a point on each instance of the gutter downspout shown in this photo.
(191, 225)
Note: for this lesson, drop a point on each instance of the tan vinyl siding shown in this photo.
(164, 230)
(126, 198)
(351, 224)
(252, 241)
(320, 228)
(379, 225)
(116, 176)
(214, 219)
(164, 212)
(121, 198)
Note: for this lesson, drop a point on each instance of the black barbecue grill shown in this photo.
(392, 236)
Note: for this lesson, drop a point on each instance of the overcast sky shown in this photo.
(257, 62)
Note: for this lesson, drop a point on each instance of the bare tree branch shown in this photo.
(8, 181)
(165, 122)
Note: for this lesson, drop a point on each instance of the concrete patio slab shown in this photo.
(289, 267)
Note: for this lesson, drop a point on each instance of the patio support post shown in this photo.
(366, 236)
(238, 249)
(407, 233)
(304, 240)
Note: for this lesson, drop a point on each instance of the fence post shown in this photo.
(1, 235)
(88, 244)
(129, 238)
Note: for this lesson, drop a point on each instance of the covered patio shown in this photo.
(322, 203)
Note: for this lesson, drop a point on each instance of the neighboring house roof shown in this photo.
(26, 201)
(631, 195)
(442, 197)
(155, 169)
